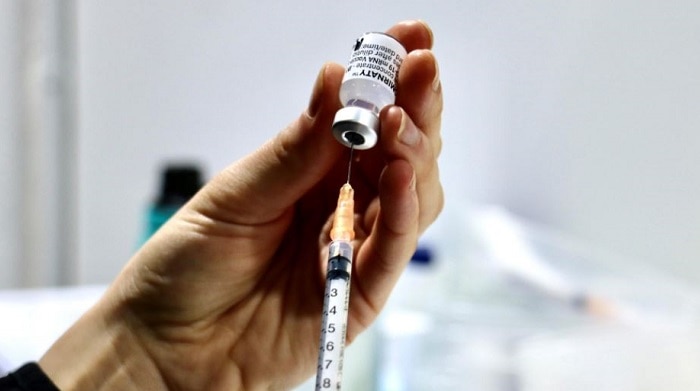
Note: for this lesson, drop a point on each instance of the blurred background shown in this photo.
(575, 122)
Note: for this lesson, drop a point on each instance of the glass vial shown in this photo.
(369, 84)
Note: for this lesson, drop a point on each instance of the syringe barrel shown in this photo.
(339, 259)
(336, 304)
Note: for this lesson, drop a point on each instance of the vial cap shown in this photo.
(356, 126)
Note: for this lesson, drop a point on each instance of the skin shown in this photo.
(228, 294)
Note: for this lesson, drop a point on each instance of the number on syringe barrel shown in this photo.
(328, 365)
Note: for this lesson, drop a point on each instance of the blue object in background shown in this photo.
(422, 256)
(179, 182)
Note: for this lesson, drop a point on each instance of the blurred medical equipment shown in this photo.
(512, 306)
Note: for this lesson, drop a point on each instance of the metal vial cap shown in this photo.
(356, 126)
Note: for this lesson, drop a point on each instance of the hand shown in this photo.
(228, 294)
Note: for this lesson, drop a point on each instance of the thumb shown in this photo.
(262, 186)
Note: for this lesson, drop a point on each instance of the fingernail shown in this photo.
(408, 134)
(429, 30)
(315, 100)
(436, 80)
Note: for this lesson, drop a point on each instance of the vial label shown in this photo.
(376, 57)
(368, 86)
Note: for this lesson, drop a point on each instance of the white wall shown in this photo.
(582, 115)
(595, 118)
(9, 145)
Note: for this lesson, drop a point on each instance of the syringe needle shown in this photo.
(352, 148)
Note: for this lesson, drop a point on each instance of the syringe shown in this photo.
(336, 301)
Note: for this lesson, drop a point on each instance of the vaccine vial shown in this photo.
(369, 84)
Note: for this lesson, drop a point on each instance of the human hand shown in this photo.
(228, 294)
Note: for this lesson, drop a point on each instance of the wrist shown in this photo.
(100, 352)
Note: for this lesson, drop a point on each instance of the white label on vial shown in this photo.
(376, 57)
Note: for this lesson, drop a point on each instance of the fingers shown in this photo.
(410, 198)
(411, 130)
(410, 193)
(415, 122)
(419, 88)
(404, 140)
(263, 185)
(413, 34)
(420, 93)
(386, 251)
